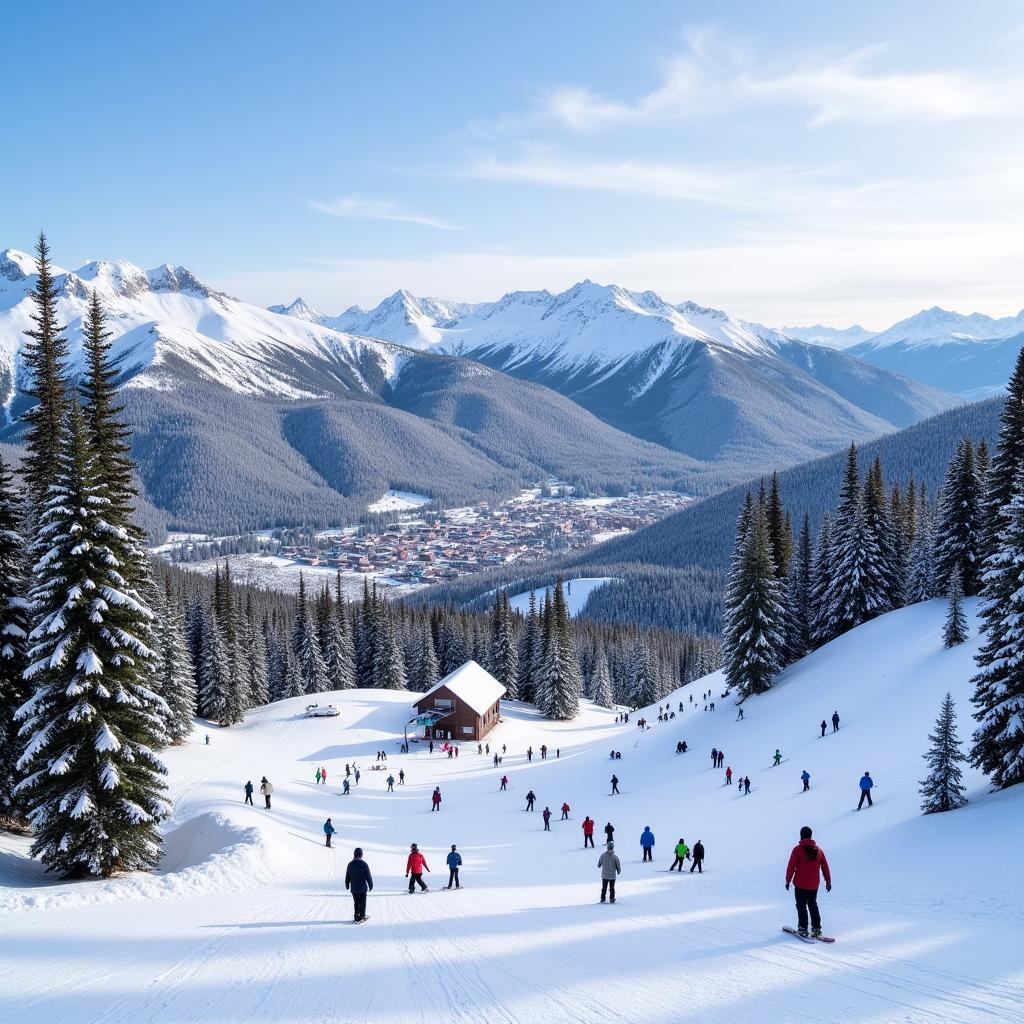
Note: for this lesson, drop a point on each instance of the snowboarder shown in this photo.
(824, 726)
(698, 858)
(777, 759)
(265, 790)
(414, 868)
(504, 782)
(728, 776)
(647, 843)
(401, 776)
(530, 798)
(806, 866)
(248, 792)
(346, 787)
(546, 815)
(454, 861)
(565, 812)
(359, 882)
(835, 721)
(435, 799)
(328, 831)
(866, 782)
(682, 852)
(391, 783)
(806, 779)
(611, 867)
(615, 784)
(609, 832)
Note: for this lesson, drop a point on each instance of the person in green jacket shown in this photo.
(682, 852)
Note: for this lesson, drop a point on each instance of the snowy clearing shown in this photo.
(399, 501)
(250, 921)
(577, 593)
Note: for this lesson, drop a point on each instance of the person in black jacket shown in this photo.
(359, 882)
(697, 853)
(609, 831)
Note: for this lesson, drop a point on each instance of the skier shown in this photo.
(318, 776)
(588, 832)
(495, 760)
(479, 748)
(615, 784)
(610, 866)
(391, 783)
(835, 721)
(746, 786)
(359, 882)
(529, 753)
(265, 790)
(714, 757)
(679, 747)
(806, 778)
(248, 792)
(647, 843)
(682, 852)
(698, 858)
(207, 739)
(721, 758)
(739, 715)
(504, 782)
(454, 861)
(806, 866)
(546, 815)
(565, 812)
(323, 777)
(401, 776)
(609, 832)
(431, 746)
(355, 775)
(435, 799)
(728, 776)
(414, 868)
(777, 759)
(328, 831)
(866, 782)
(348, 770)
(346, 786)
(824, 726)
(530, 798)
(543, 751)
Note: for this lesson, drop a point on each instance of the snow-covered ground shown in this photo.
(399, 501)
(251, 921)
(577, 593)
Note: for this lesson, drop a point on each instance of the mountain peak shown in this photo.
(16, 265)
(300, 309)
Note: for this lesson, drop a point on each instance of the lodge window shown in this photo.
(467, 730)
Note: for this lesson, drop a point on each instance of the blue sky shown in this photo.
(788, 162)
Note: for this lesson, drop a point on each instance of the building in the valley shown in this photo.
(465, 705)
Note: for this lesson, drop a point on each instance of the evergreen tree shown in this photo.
(504, 650)
(753, 641)
(958, 537)
(389, 670)
(214, 674)
(998, 747)
(955, 630)
(779, 531)
(943, 789)
(881, 531)
(175, 678)
(46, 358)
(258, 675)
(528, 657)
(921, 570)
(601, 684)
(643, 687)
(340, 657)
(14, 627)
(93, 784)
(562, 684)
(821, 586)
(306, 646)
(799, 597)
(900, 548)
(428, 670)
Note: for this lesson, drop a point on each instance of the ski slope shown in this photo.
(250, 921)
(577, 594)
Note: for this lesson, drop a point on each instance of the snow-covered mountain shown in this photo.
(829, 337)
(683, 375)
(937, 326)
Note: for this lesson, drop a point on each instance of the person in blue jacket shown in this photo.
(647, 842)
(454, 863)
(866, 782)
(806, 779)
(328, 831)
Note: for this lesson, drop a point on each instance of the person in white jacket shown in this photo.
(266, 789)
(610, 866)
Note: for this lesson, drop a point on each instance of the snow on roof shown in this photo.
(472, 684)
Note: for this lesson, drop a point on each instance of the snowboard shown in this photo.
(809, 939)
(362, 920)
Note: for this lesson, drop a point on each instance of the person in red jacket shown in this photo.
(565, 812)
(435, 800)
(588, 833)
(806, 865)
(414, 868)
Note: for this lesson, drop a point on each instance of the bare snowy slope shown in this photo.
(249, 921)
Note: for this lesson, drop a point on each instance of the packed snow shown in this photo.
(577, 594)
(399, 501)
(248, 920)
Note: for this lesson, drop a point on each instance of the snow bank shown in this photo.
(206, 855)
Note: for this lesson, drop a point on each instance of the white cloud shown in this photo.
(358, 207)
(711, 78)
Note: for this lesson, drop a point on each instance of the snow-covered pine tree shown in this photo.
(527, 656)
(504, 649)
(821, 584)
(291, 678)
(543, 650)
(955, 630)
(753, 640)
(921, 567)
(644, 690)
(780, 532)
(306, 645)
(900, 548)
(14, 627)
(214, 674)
(175, 679)
(958, 540)
(562, 683)
(943, 788)
(340, 661)
(601, 682)
(365, 636)
(258, 671)
(389, 671)
(93, 784)
(881, 530)
(799, 599)
(998, 746)
(428, 668)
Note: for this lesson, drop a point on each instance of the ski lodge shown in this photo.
(465, 705)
